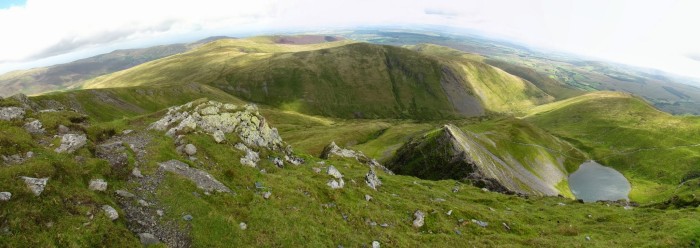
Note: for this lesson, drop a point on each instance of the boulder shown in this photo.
(372, 180)
(36, 185)
(418, 219)
(110, 212)
(339, 184)
(11, 113)
(5, 196)
(148, 239)
(334, 172)
(71, 143)
(34, 127)
(203, 180)
(219, 136)
(190, 150)
(61, 130)
(98, 185)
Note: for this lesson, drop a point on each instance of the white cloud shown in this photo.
(658, 34)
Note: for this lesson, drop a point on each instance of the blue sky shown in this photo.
(4, 4)
(659, 34)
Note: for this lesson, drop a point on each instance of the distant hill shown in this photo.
(64, 76)
(341, 78)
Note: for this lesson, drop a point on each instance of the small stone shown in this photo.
(317, 170)
(336, 184)
(98, 185)
(136, 172)
(160, 212)
(589, 216)
(128, 131)
(71, 143)
(219, 136)
(148, 239)
(267, 195)
(480, 223)
(458, 232)
(243, 226)
(561, 204)
(36, 185)
(34, 127)
(372, 180)
(62, 130)
(5, 196)
(143, 203)
(485, 189)
(449, 212)
(111, 212)
(187, 217)
(384, 225)
(455, 189)
(278, 162)
(190, 150)
(506, 226)
(588, 238)
(368, 197)
(419, 219)
(628, 207)
(125, 194)
(334, 172)
(375, 244)
(30, 154)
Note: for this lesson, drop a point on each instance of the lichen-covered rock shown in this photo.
(34, 127)
(203, 180)
(11, 113)
(5, 196)
(111, 213)
(98, 185)
(36, 185)
(216, 119)
(336, 184)
(278, 162)
(148, 239)
(418, 219)
(334, 172)
(372, 180)
(251, 157)
(333, 150)
(219, 136)
(71, 142)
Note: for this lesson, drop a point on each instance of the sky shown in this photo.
(656, 34)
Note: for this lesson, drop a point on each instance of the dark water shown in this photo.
(593, 182)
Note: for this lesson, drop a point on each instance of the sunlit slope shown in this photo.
(654, 149)
(341, 79)
(498, 90)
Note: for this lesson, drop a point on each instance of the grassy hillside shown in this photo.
(653, 149)
(340, 78)
(68, 214)
(499, 91)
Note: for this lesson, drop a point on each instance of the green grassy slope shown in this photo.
(341, 79)
(498, 90)
(651, 148)
(303, 211)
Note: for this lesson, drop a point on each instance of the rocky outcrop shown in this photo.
(71, 143)
(11, 113)
(450, 153)
(218, 119)
(36, 185)
(203, 180)
(34, 127)
(333, 150)
(372, 180)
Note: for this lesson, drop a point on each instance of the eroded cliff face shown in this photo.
(450, 153)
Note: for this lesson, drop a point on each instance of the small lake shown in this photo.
(593, 182)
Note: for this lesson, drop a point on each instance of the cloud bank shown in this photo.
(656, 34)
